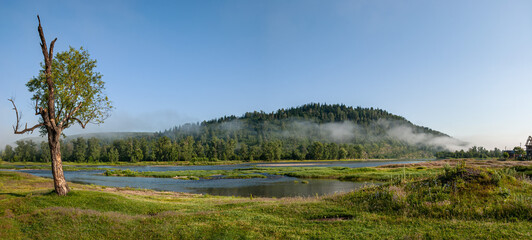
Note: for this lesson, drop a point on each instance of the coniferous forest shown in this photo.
(309, 132)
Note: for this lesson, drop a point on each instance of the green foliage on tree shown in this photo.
(163, 149)
(80, 150)
(8, 154)
(93, 150)
(78, 90)
(113, 155)
(473, 152)
(316, 151)
(45, 152)
(519, 151)
(26, 151)
(506, 155)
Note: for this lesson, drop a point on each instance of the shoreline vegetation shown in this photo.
(217, 162)
(460, 199)
(76, 166)
(38, 165)
(340, 173)
(380, 173)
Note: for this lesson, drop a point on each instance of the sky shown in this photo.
(460, 67)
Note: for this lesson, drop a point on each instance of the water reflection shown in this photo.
(286, 188)
(272, 186)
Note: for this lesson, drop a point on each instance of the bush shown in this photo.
(461, 175)
(527, 170)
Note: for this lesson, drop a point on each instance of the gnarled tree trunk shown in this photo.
(60, 184)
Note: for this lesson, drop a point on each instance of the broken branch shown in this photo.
(17, 126)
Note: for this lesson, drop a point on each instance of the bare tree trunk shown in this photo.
(60, 184)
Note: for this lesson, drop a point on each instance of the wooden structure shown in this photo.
(528, 146)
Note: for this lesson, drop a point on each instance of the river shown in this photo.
(272, 186)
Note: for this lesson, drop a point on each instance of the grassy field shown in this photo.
(455, 203)
(47, 167)
(341, 173)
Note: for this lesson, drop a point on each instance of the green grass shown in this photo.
(341, 173)
(526, 170)
(185, 175)
(45, 166)
(458, 193)
(456, 203)
(352, 174)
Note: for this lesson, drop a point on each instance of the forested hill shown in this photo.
(322, 113)
(360, 123)
(294, 133)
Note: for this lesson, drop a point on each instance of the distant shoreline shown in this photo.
(203, 163)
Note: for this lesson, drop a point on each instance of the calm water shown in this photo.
(272, 186)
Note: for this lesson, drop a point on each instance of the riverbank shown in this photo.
(303, 170)
(75, 166)
(460, 202)
(39, 165)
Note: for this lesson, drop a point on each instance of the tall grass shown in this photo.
(458, 193)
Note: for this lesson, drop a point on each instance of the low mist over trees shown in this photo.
(474, 152)
(312, 131)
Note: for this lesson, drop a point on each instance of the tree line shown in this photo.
(473, 152)
(164, 149)
(287, 134)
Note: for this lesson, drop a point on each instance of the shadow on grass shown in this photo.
(14, 194)
(35, 193)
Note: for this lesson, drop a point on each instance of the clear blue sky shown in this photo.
(460, 67)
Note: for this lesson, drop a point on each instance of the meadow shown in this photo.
(454, 202)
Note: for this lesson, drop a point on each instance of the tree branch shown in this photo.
(51, 54)
(69, 115)
(48, 57)
(38, 110)
(43, 41)
(17, 126)
(80, 122)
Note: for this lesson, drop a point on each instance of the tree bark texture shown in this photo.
(60, 184)
(48, 115)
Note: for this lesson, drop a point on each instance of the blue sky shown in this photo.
(460, 67)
